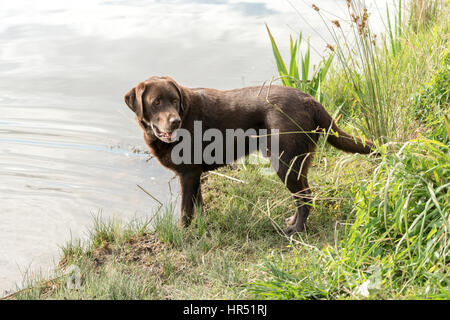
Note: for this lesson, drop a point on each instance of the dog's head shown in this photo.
(158, 104)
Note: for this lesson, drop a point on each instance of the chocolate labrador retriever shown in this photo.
(162, 107)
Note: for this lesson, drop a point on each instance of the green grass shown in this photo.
(396, 240)
(215, 258)
(431, 105)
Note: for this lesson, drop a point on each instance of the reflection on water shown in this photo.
(67, 141)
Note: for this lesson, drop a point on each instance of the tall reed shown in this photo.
(364, 65)
(382, 71)
(298, 76)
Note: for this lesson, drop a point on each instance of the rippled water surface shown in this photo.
(69, 147)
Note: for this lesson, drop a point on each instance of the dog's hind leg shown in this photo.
(301, 193)
(293, 170)
(302, 199)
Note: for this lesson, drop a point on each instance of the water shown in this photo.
(69, 147)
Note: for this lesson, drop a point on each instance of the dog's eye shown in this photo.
(156, 102)
(175, 100)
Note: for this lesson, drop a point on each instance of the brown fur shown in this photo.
(275, 107)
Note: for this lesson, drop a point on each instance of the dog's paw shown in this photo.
(289, 231)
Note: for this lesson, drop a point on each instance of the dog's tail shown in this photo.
(338, 138)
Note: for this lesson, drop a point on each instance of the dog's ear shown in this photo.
(133, 99)
(130, 99)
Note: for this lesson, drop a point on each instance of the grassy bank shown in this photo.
(218, 256)
(378, 228)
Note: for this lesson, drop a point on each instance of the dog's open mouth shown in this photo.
(165, 136)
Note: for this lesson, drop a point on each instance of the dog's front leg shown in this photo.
(190, 188)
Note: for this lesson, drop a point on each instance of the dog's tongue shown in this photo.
(170, 136)
(166, 135)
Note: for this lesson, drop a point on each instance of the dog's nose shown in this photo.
(174, 122)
